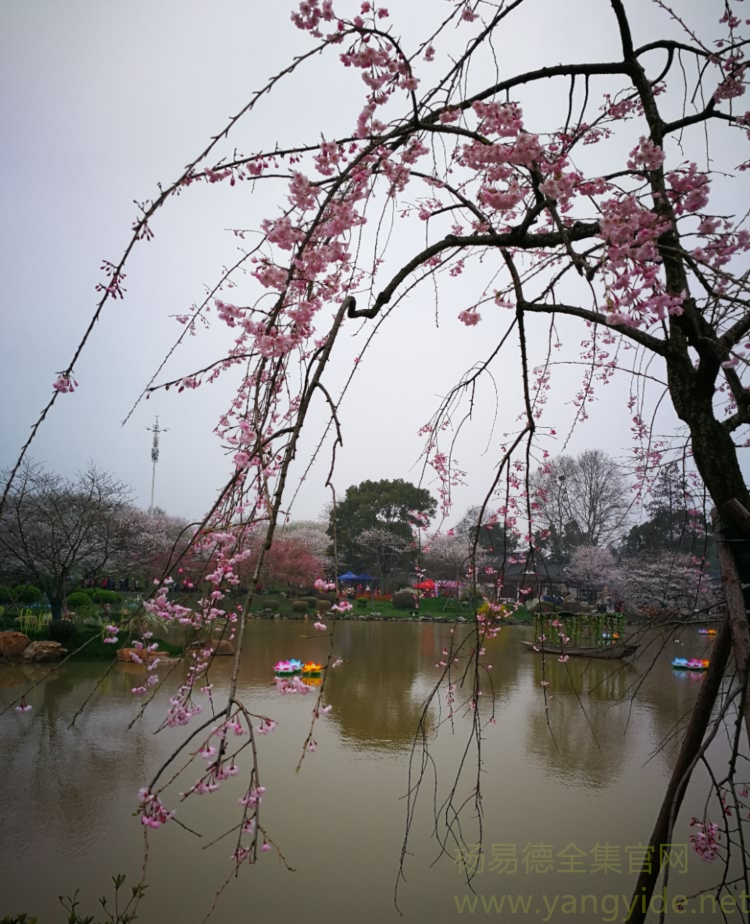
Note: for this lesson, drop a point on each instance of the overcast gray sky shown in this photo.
(99, 102)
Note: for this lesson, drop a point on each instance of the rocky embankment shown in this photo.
(15, 646)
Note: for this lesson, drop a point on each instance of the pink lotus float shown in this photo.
(287, 668)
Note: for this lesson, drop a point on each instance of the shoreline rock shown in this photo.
(13, 644)
(44, 651)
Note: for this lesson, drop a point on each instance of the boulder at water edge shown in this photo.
(44, 651)
(13, 644)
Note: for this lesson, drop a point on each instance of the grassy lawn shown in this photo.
(437, 608)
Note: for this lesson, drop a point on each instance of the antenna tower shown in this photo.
(156, 430)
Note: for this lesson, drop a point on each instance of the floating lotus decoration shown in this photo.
(692, 664)
(311, 669)
(283, 668)
(311, 681)
(287, 668)
(706, 631)
(294, 666)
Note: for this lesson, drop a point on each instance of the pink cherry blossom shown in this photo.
(65, 384)
(470, 317)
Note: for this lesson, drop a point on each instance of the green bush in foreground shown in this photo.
(26, 593)
(102, 596)
(7, 596)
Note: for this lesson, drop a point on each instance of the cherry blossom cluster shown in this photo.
(182, 707)
(111, 636)
(152, 812)
(214, 776)
(490, 616)
(636, 291)
(705, 839)
(145, 653)
(65, 384)
(113, 286)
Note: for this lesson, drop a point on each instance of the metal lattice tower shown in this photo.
(156, 430)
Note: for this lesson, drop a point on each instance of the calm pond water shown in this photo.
(567, 792)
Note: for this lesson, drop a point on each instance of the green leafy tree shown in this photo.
(562, 540)
(492, 534)
(396, 506)
(673, 524)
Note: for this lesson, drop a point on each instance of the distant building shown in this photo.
(530, 580)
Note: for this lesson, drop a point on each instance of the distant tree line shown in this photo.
(58, 533)
(581, 505)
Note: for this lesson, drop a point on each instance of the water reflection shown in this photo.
(70, 793)
(373, 698)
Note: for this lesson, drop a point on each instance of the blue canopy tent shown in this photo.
(348, 577)
(366, 578)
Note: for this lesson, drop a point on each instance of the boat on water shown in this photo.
(606, 652)
(692, 664)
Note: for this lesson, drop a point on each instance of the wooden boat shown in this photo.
(608, 653)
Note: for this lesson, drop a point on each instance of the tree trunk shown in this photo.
(735, 574)
(716, 459)
(56, 605)
(690, 747)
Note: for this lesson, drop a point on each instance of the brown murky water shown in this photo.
(568, 791)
